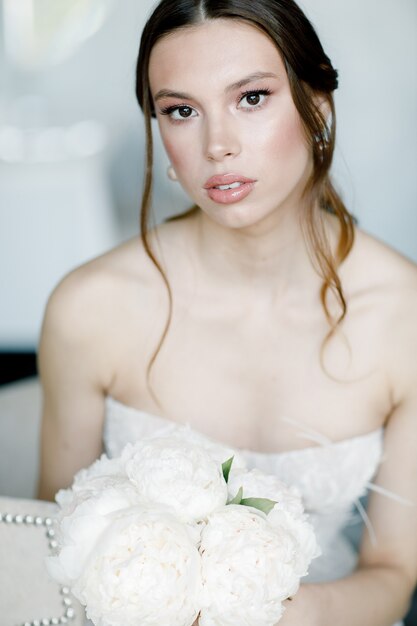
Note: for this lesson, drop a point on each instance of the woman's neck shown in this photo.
(265, 261)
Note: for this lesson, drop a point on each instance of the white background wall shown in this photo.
(373, 43)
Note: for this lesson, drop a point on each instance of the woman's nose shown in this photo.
(222, 140)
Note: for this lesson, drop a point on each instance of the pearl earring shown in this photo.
(171, 174)
(323, 138)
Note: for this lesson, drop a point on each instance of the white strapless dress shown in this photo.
(332, 478)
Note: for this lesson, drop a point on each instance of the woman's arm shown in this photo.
(72, 365)
(377, 596)
(379, 592)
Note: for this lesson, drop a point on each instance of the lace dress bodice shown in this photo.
(331, 477)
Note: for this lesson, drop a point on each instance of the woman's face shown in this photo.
(224, 108)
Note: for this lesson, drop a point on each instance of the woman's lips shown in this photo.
(229, 188)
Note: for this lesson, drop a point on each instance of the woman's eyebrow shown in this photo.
(166, 93)
(249, 79)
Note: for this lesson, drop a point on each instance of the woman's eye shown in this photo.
(179, 113)
(183, 113)
(253, 99)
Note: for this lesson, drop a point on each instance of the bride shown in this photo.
(263, 317)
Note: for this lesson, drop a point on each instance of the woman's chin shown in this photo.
(240, 216)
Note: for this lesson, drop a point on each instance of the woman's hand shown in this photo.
(302, 609)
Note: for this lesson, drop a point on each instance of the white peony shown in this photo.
(257, 484)
(249, 567)
(93, 480)
(145, 569)
(302, 532)
(102, 467)
(146, 538)
(183, 432)
(218, 451)
(69, 499)
(177, 473)
(81, 521)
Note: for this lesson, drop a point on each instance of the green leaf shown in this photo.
(263, 504)
(226, 467)
(238, 497)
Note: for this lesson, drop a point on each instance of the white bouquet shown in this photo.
(176, 529)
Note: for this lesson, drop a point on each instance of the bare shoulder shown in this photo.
(97, 290)
(387, 281)
(101, 276)
(380, 276)
(98, 300)
(377, 264)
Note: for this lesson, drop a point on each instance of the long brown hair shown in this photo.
(311, 78)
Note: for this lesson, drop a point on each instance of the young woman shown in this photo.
(263, 317)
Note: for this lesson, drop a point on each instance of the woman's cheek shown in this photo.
(288, 153)
(178, 152)
(284, 136)
(186, 162)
